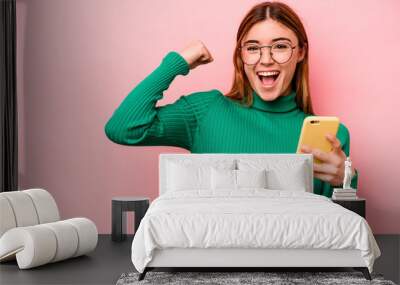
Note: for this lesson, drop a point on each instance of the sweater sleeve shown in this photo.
(325, 188)
(137, 121)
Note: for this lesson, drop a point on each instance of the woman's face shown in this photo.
(266, 33)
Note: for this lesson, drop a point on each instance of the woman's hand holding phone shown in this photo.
(196, 54)
(331, 168)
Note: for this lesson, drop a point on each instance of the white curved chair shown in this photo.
(31, 231)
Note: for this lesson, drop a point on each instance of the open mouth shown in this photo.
(268, 78)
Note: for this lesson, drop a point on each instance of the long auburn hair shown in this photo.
(241, 89)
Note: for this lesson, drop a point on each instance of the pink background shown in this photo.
(77, 60)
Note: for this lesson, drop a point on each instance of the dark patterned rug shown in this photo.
(243, 278)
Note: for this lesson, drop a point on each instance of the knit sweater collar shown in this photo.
(282, 104)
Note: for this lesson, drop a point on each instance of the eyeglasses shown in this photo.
(279, 52)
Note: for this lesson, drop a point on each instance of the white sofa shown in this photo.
(32, 233)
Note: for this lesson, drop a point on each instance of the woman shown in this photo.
(262, 113)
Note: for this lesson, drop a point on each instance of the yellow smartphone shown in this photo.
(314, 130)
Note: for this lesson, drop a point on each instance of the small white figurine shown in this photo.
(347, 174)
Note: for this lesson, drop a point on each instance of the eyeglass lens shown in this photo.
(280, 52)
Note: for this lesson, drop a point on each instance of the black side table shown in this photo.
(356, 205)
(120, 205)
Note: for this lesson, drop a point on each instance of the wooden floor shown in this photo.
(111, 259)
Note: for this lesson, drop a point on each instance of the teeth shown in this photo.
(268, 73)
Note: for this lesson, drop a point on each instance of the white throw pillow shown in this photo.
(223, 179)
(187, 174)
(282, 174)
(288, 179)
(236, 179)
(256, 178)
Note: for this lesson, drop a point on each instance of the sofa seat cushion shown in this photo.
(51, 242)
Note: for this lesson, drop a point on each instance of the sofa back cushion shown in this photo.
(26, 208)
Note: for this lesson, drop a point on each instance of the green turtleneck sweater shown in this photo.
(209, 122)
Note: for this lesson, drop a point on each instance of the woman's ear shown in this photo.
(302, 52)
